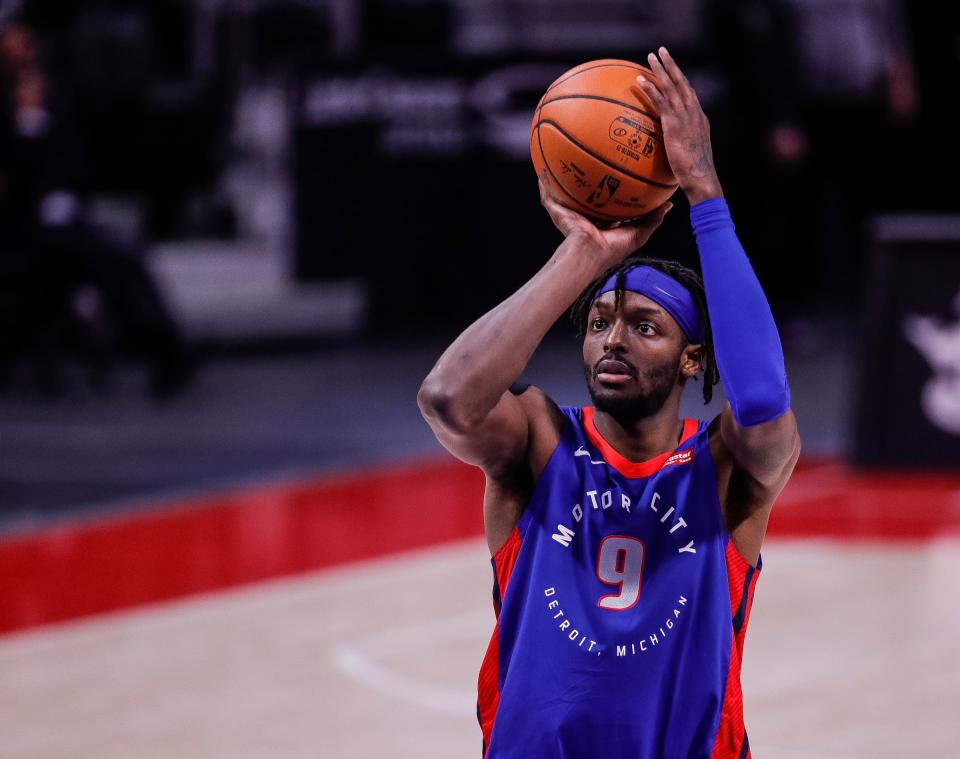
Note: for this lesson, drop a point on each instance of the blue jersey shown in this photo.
(621, 610)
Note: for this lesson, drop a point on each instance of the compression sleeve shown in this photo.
(745, 339)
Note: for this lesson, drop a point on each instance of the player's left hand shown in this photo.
(686, 130)
(615, 242)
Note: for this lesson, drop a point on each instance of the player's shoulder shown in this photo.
(766, 452)
(545, 420)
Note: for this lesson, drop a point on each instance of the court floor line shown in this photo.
(362, 660)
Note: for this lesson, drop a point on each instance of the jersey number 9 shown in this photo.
(620, 563)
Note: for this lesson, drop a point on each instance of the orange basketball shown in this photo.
(597, 145)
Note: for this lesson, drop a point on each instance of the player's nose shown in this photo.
(616, 337)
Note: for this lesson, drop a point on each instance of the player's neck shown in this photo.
(642, 439)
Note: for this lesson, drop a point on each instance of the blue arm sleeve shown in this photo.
(745, 339)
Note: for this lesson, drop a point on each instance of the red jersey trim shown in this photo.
(505, 559)
(623, 465)
(731, 739)
(488, 682)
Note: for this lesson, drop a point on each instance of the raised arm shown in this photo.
(466, 398)
(757, 428)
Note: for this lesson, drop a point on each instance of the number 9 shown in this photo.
(620, 562)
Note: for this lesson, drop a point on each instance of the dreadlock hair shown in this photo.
(686, 277)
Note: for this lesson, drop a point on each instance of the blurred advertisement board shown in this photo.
(909, 387)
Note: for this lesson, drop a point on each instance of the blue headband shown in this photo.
(667, 292)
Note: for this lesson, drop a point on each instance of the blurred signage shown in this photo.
(938, 341)
(433, 115)
(909, 389)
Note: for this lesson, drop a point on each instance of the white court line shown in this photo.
(779, 752)
(379, 678)
(359, 661)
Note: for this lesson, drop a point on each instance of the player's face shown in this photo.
(631, 355)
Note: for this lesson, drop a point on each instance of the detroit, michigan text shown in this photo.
(601, 501)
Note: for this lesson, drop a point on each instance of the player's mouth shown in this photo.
(613, 372)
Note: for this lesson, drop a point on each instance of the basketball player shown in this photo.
(625, 540)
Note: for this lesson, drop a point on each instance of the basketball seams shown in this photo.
(598, 157)
(605, 83)
(536, 116)
(622, 64)
(596, 97)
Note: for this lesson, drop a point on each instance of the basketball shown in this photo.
(596, 143)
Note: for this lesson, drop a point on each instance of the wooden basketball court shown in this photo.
(852, 649)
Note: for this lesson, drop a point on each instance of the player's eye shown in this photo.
(646, 329)
(597, 323)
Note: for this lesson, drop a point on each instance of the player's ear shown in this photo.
(691, 360)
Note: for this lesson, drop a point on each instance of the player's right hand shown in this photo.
(686, 129)
(615, 242)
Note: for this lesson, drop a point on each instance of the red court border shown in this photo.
(77, 569)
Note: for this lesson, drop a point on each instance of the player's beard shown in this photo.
(656, 384)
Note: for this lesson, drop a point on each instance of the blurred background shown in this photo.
(235, 236)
